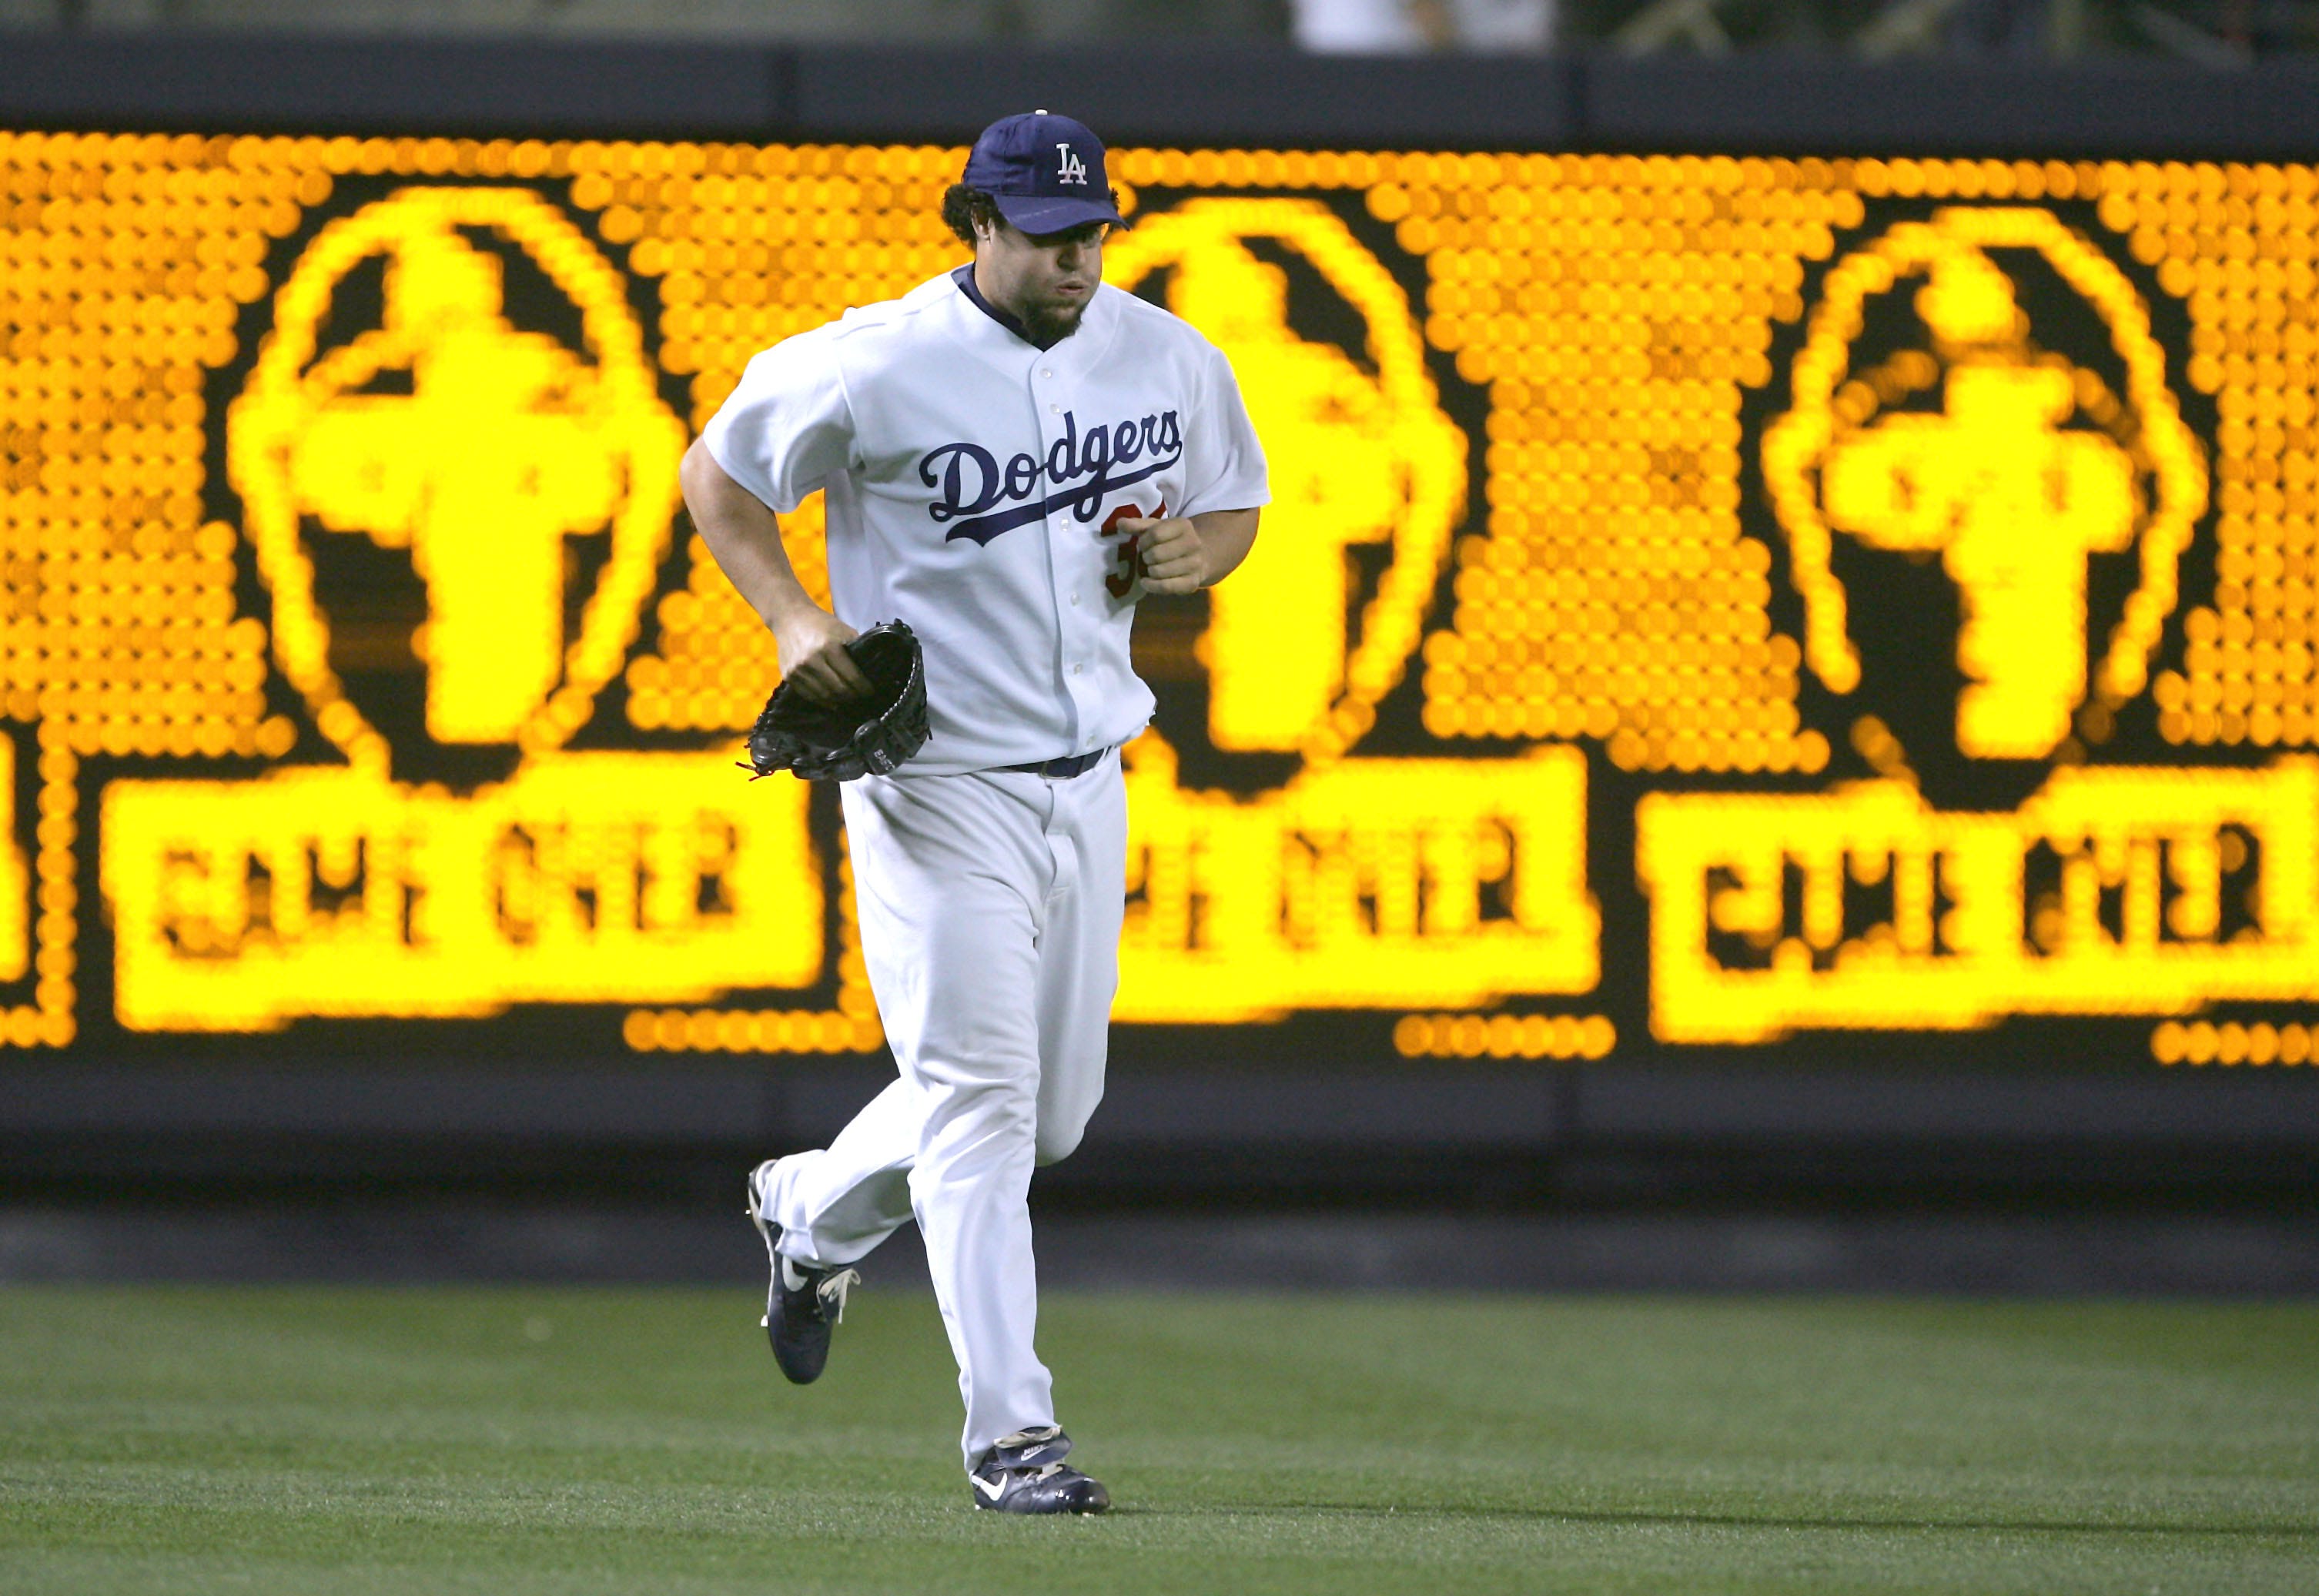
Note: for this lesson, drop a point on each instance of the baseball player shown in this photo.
(1013, 455)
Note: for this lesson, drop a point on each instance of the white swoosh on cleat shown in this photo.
(987, 1488)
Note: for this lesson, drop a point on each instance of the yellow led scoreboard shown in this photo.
(1789, 604)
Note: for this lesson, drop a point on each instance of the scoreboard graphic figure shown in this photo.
(478, 446)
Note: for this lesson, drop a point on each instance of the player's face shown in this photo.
(1044, 280)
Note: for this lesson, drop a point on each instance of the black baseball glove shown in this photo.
(839, 741)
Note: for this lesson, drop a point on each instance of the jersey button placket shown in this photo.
(1059, 526)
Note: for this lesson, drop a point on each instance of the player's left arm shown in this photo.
(1184, 554)
(1225, 463)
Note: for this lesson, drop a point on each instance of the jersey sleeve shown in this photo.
(1223, 461)
(788, 426)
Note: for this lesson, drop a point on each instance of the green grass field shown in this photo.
(315, 1441)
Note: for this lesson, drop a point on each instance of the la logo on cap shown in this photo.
(1069, 168)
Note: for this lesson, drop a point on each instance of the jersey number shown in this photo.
(1131, 552)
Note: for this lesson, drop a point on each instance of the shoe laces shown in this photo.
(1029, 1438)
(832, 1292)
(1031, 1475)
(1025, 1440)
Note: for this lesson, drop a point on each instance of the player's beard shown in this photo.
(1048, 325)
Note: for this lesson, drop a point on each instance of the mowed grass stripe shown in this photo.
(316, 1441)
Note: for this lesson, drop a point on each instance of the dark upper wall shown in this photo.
(1211, 95)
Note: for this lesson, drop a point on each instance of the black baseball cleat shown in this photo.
(801, 1304)
(1025, 1473)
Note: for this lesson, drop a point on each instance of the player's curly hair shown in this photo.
(962, 208)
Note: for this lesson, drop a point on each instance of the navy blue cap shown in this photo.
(1044, 173)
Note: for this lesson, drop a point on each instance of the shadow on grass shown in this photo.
(1543, 1515)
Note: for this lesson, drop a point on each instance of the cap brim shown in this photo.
(1040, 213)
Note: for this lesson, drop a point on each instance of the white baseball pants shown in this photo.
(991, 908)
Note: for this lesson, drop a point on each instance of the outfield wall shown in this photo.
(1788, 619)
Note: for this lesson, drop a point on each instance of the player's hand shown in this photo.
(812, 644)
(1172, 557)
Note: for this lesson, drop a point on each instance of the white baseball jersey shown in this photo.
(970, 481)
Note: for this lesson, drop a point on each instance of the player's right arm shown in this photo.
(785, 430)
(745, 538)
